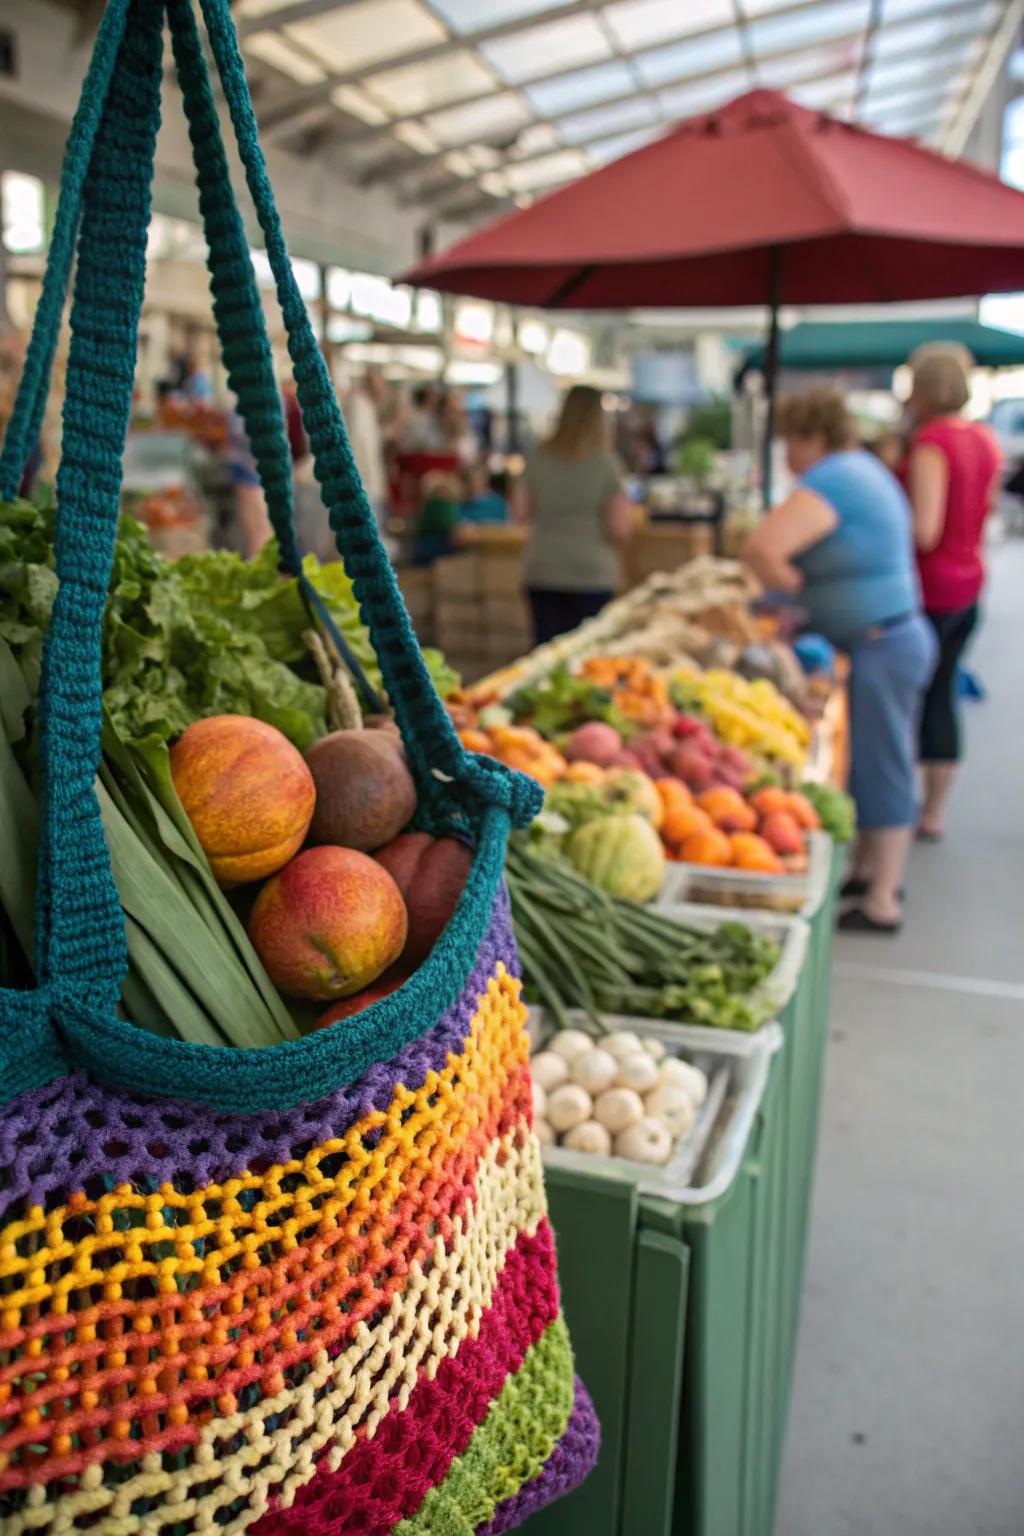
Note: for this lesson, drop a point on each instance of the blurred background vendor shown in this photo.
(842, 545)
(572, 499)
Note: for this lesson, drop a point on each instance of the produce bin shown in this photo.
(706, 1402)
(743, 889)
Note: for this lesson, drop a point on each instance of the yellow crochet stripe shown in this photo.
(445, 1110)
(239, 1458)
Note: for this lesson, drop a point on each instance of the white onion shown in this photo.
(549, 1070)
(568, 1106)
(637, 1071)
(589, 1136)
(594, 1070)
(682, 1075)
(618, 1109)
(569, 1043)
(622, 1043)
(673, 1106)
(648, 1141)
(654, 1048)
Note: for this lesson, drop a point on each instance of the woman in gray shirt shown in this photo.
(571, 498)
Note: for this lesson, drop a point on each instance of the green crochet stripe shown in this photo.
(511, 1446)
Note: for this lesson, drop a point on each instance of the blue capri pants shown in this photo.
(890, 668)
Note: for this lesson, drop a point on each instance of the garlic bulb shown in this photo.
(654, 1048)
(589, 1136)
(568, 1106)
(594, 1070)
(682, 1075)
(618, 1109)
(540, 1100)
(637, 1071)
(648, 1141)
(549, 1070)
(673, 1106)
(569, 1043)
(623, 1043)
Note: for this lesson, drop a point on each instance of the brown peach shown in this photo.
(328, 924)
(247, 792)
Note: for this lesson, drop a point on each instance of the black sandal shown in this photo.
(851, 889)
(856, 920)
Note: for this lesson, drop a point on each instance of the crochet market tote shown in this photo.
(305, 1289)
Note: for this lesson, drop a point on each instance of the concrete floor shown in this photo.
(908, 1409)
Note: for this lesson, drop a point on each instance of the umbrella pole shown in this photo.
(771, 372)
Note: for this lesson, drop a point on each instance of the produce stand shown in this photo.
(684, 1315)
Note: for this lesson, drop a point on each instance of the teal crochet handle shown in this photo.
(450, 779)
(80, 943)
(26, 419)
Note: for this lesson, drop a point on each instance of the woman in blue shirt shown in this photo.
(842, 543)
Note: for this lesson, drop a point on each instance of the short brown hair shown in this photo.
(818, 412)
(941, 379)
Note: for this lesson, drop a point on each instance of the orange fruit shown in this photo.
(769, 800)
(709, 848)
(476, 741)
(728, 809)
(683, 821)
(584, 773)
(752, 852)
(802, 811)
(673, 793)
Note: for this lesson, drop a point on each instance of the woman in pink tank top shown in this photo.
(952, 479)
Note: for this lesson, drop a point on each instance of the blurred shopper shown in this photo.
(481, 501)
(572, 500)
(456, 428)
(362, 408)
(842, 543)
(421, 430)
(952, 479)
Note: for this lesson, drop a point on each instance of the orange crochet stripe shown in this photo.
(281, 1265)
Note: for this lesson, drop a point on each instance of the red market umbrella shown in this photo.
(761, 201)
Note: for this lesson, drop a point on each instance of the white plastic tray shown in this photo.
(792, 934)
(705, 1161)
(745, 890)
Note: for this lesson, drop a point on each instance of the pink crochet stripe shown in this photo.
(384, 1480)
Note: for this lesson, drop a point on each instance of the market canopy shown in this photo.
(760, 200)
(815, 346)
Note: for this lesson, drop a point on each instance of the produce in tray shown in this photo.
(753, 716)
(581, 948)
(622, 1096)
(835, 810)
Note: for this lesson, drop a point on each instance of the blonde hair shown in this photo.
(941, 383)
(581, 426)
(818, 412)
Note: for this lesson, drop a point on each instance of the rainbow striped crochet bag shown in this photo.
(305, 1289)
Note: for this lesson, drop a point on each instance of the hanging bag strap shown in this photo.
(80, 941)
(450, 779)
(26, 419)
(80, 934)
(241, 328)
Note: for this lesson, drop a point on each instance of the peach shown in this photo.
(330, 923)
(783, 833)
(347, 1006)
(247, 792)
(431, 874)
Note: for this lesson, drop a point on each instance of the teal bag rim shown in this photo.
(70, 1018)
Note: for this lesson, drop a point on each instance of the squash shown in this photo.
(622, 855)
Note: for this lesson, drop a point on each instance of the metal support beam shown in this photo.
(1003, 40)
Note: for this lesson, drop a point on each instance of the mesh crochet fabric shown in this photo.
(341, 1319)
(309, 1288)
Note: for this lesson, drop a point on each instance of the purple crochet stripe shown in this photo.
(572, 1459)
(54, 1140)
